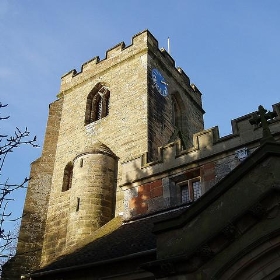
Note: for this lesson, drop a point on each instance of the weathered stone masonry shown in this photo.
(211, 158)
(139, 121)
(132, 161)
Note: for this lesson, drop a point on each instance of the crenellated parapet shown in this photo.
(113, 57)
(153, 186)
(207, 145)
(143, 42)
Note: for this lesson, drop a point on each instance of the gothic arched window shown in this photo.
(178, 120)
(176, 113)
(97, 104)
(67, 177)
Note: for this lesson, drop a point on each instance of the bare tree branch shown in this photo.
(8, 144)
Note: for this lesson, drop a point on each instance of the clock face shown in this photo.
(159, 82)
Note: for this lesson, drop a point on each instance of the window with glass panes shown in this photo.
(97, 106)
(190, 190)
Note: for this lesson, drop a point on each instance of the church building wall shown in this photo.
(136, 121)
(150, 187)
(123, 129)
(92, 198)
(115, 146)
(164, 126)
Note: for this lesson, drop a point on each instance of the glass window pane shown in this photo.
(196, 189)
(185, 194)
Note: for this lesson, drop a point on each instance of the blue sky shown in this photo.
(228, 48)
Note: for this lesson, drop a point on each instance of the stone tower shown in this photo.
(128, 104)
(92, 194)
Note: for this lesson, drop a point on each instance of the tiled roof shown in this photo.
(130, 238)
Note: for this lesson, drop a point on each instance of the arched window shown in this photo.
(176, 113)
(178, 122)
(97, 104)
(67, 177)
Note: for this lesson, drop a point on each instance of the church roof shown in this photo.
(132, 237)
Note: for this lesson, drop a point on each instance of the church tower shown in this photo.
(128, 104)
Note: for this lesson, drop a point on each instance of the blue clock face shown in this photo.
(159, 82)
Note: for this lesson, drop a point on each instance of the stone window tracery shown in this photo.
(97, 106)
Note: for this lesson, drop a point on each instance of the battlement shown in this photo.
(94, 66)
(115, 50)
(167, 56)
(184, 75)
(141, 43)
(206, 144)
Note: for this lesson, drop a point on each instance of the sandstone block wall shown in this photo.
(160, 108)
(123, 72)
(92, 198)
(138, 122)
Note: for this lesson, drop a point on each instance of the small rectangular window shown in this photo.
(190, 190)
